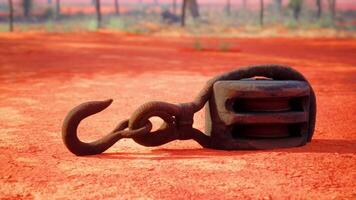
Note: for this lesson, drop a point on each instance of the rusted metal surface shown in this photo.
(242, 112)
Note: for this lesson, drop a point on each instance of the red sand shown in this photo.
(42, 76)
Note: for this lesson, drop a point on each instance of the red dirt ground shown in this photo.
(42, 76)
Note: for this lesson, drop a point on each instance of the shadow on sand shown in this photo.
(316, 146)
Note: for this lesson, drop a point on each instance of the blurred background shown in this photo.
(208, 17)
(56, 54)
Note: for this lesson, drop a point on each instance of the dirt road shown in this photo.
(42, 76)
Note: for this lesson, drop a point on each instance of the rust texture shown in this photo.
(242, 112)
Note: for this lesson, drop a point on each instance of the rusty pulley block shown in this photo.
(257, 107)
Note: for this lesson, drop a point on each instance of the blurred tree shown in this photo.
(261, 12)
(117, 8)
(193, 8)
(11, 15)
(296, 6)
(58, 8)
(244, 4)
(98, 13)
(184, 8)
(228, 7)
(174, 6)
(278, 5)
(26, 5)
(332, 8)
(319, 9)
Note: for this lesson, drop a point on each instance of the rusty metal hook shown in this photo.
(80, 112)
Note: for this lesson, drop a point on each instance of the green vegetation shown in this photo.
(197, 45)
(224, 46)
